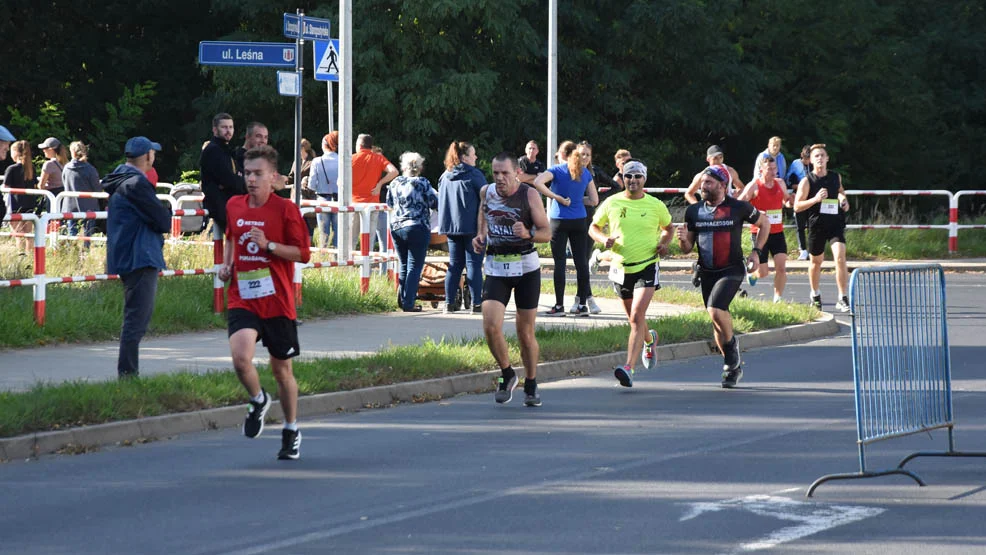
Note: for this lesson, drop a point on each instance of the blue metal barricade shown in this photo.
(900, 361)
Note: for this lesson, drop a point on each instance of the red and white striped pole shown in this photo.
(953, 224)
(40, 281)
(218, 295)
(364, 249)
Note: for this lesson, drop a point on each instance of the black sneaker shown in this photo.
(290, 445)
(557, 311)
(477, 309)
(624, 375)
(505, 390)
(842, 305)
(731, 356)
(532, 399)
(731, 377)
(253, 426)
(582, 311)
(816, 300)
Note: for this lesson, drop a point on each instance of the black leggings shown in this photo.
(570, 232)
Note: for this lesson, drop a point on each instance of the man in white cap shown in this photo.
(134, 244)
(640, 231)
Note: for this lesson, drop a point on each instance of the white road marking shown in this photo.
(811, 518)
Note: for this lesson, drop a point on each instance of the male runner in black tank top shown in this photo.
(821, 196)
(511, 220)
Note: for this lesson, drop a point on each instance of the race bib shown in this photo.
(504, 265)
(255, 284)
(775, 216)
(830, 206)
(616, 273)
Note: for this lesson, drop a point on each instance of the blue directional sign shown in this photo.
(314, 28)
(271, 54)
(326, 60)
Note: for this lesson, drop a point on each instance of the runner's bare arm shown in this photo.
(287, 252)
(479, 241)
(692, 189)
(843, 199)
(801, 200)
(667, 234)
(542, 231)
(226, 270)
(763, 222)
(686, 239)
(749, 192)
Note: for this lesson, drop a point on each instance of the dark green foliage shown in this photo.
(894, 87)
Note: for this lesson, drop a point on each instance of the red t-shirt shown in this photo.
(368, 168)
(268, 290)
(770, 201)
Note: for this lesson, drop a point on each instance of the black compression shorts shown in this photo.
(527, 288)
(720, 286)
(280, 335)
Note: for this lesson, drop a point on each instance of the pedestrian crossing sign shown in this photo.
(326, 60)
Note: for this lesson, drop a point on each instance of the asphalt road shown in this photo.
(674, 465)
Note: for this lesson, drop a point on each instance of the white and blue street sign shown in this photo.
(326, 60)
(271, 54)
(315, 28)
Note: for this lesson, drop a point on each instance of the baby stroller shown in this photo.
(190, 224)
(431, 287)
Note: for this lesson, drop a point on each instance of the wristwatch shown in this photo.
(271, 245)
(757, 250)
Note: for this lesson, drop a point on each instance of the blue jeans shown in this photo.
(329, 221)
(461, 255)
(411, 243)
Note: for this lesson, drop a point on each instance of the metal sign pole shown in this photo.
(346, 121)
(332, 119)
(552, 81)
(299, 69)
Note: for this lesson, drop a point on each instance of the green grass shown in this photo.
(57, 406)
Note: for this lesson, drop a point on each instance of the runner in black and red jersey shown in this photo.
(769, 194)
(716, 225)
(265, 236)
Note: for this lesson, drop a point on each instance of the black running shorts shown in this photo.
(280, 335)
(527, 288)
(650, 276)
(720, 286)
(776, 244)
(818, 236)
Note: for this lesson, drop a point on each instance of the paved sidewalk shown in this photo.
(333, 337)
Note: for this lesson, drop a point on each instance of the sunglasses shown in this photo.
(634, 176)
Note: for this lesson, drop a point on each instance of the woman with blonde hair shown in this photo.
(458, 210)
(20, 175)
(412, 199)
(80, 176)
(573, 189)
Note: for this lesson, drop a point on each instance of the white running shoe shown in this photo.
(593, 307)
(576, 303)
(594, 263)
(649, 353)
(803, 255)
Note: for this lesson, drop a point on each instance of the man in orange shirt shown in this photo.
(371, 171)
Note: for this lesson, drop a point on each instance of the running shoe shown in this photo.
(696, 276)
(477, 309)
(532, 399)
(576, 303)
(624, 375)
(593, 307)
(842, 305)
(649, 353)
(803, 255)
(731, 377)
(557, 311)
(505, 389)
(731, 357)
(253, 426)
(582, 311)
(752, 279)
(816, 300)
(290, 445)
(594, 261)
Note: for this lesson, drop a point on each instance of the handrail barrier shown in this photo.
(901, 364)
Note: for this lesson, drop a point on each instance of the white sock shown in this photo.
(776, 297)
(293, 426)
(259, 398)
(815, 293)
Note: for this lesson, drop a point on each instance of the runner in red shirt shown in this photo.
(265, 236)
(769, 195)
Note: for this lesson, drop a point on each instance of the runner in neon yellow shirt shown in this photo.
(639, 232)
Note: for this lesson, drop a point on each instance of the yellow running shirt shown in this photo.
(637, 224)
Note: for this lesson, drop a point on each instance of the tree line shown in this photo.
(893, 87)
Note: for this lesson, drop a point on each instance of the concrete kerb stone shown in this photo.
(27, 446)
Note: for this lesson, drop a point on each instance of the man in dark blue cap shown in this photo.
(134, 244)
(6, 138)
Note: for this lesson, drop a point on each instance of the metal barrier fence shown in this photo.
(901, 365)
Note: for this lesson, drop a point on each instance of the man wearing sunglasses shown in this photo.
(715, 225)
(639, 232)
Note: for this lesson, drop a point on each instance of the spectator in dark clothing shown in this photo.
(220, 179)
(20, 175)
(134, 245)
(256, 135)
(80, 176)
(529, 164)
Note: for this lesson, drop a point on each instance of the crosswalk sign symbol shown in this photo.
(327, 57)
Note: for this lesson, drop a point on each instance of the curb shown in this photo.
(88, 438)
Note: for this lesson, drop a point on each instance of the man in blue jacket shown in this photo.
(134, 244)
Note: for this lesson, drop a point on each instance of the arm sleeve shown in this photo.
(750, 213)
